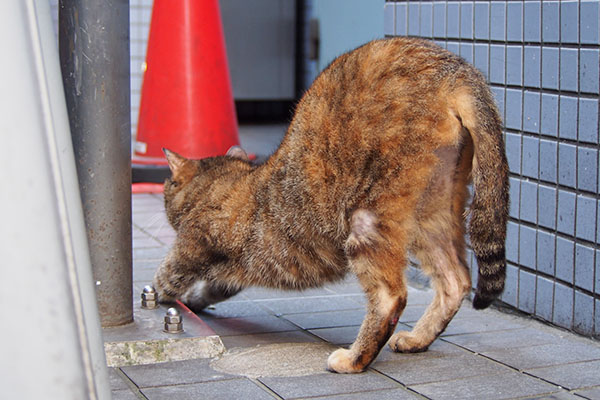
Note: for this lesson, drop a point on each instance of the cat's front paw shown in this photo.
(407, 342)
(343, 361)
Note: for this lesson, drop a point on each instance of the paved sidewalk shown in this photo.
(277, 345)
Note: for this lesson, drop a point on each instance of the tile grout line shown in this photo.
(130, 383)
(265, 388)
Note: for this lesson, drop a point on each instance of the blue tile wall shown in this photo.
(588, 120)
(546, 250)
(542, 60)
(544, 298)
(413, 19)
(583, 317)
(584, 275)
(532, 12)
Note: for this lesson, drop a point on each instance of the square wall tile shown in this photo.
(497, 20)
(527, 246)
(584, 267)
(527, 283)
(532, 12)
(566, 212)
(549, 124)
(453, 47)
(482, 20)
(413, 19)
(588, 120)
(546, 250)
(514, 105)
(568, 118)
(569, 21)
(481, 54)
(514, 21)
(550, 68)
(511, 285)
(565, 261)
(515, 197)
(586, 218)
(439, 19)
(497, 64)
(597, 280)
(563, 306)
(550, 21)
(547, 206)
(531, 66)
(426, 18)
(388, 19)
(548, 154)
(453, 20)
(466, 51)
(590, 15)
(512, 242)
(566, 164)
(513, 152)
(569, 59)
(531, 148)
(514, 65)
(401, 19)
(466, 20)
(499, 97)
(588, 70)
(583, 318)
(544, 298)
(531, 111)
(587, 169)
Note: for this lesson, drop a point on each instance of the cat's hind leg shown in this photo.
(379, 265)
(441, 257)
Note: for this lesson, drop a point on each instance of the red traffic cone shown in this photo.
(187, 104)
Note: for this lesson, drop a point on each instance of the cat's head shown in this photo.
(191, 180)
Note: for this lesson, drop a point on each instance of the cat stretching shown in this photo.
(374, 165)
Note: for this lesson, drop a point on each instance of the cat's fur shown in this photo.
(375, 164)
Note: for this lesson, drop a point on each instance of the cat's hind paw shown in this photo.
(343, 361)
(407, 342)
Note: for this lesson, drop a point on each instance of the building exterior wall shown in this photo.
(542, 61)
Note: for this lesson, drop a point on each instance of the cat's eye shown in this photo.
(174, 184)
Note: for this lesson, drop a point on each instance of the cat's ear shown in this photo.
(176, 162)
(237, 152)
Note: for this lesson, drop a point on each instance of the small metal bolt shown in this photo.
(173, 321)
(149, 300)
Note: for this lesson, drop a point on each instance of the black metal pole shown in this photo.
(94, 58)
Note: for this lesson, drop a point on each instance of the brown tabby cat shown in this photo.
(375, 164)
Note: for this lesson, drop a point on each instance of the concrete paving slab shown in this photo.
(327, 384)
(255, 339)
(174, 373)
(591, 393)
(310, 304)
(124, 395)
(260, 293)
(570, 376)
(281, 359)
(387, 394)
(115, 380)
(219, 390)
(490, 387)
(439, 348)
(340, 336)
(327, 319)
(233, 309)
(489, 341)
(545, 355)
(247, 325)
(427, 370)
(484, 323)
(154, 253)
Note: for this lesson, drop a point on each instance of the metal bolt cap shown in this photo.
(173, 321)
(149, 300)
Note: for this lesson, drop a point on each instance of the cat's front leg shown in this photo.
(173, 278)
(203, 294)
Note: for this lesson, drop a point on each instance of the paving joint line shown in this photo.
(265, 388)
(397, 382)
(130, 384)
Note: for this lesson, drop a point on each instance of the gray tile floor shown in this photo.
(482, 355)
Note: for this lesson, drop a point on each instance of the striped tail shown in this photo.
(489, 207)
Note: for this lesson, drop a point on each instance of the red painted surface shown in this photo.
(187, 104)
(137, 188)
